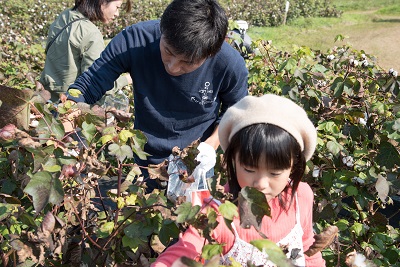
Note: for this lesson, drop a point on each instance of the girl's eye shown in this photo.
(277, 172)
(248, 170)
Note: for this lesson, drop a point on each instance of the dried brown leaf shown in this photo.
(96, 166)
(156, 244)
(29, 143)
(48, 223)
(159, 171)
(121, 115)
(323, 240)
(189, 154)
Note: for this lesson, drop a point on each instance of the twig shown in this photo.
(84, 231)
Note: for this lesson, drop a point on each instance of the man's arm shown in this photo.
(213, 140)
(104, 71)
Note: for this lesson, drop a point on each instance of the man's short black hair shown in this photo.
(194, 28)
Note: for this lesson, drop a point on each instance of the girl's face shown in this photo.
(111, 10)
(269, 181)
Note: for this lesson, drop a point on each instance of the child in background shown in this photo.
(266, 141)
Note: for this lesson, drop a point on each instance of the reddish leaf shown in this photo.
(253, 206)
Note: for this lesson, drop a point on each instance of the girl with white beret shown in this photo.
(267, 141)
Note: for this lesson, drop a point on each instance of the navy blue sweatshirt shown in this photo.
(169, 110)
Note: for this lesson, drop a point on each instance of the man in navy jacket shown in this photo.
(184, 76)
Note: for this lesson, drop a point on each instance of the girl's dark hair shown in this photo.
(194, 28)
(270, 142)
(92, 8)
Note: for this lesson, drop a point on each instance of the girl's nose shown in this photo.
(261, 183)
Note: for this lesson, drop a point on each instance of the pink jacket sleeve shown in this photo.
(306, 201)
(189, 245)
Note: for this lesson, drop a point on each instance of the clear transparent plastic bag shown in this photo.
(177, 188)
(119, 101)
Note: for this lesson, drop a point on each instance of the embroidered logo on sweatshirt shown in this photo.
(206, 95)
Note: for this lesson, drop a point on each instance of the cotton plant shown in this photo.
(356, 259)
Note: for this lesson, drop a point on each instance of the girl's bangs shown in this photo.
(268, 143)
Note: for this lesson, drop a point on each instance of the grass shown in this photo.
(359, 18)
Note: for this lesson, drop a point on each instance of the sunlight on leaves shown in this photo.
(121, 152)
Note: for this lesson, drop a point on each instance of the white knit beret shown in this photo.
(271, 109)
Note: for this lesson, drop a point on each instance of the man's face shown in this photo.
(174, 64)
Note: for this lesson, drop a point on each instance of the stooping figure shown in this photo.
(74, 42)
(184, 78)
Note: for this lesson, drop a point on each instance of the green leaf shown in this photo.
(121, 152)
(228, 210)
(393, 129)
(44, 189)
(392, 255)
(379, 107)
(334, 147)
(8, 186)
(57, 129)
(168, 231)
(105, 229)
(318, 68)
(342, 224)
(358, 229)
(329, 127)
(301, 74)
(358, 153)
(133, 243)
(52, 168)
(139, 140)
(337, 87)
(388, 155)
(7, 209)
(211, 250)
(186, 212)
(290, 65)
(88, 130)
(351, 190)
(275, 253)
(138, 230)
(106, 138)
(340, 37)
(124, 135)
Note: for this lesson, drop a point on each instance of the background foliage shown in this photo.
(54, 212)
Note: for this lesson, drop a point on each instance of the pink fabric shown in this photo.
(275, 228)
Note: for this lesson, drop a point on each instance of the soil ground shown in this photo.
(380, 38)
(377, 35)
